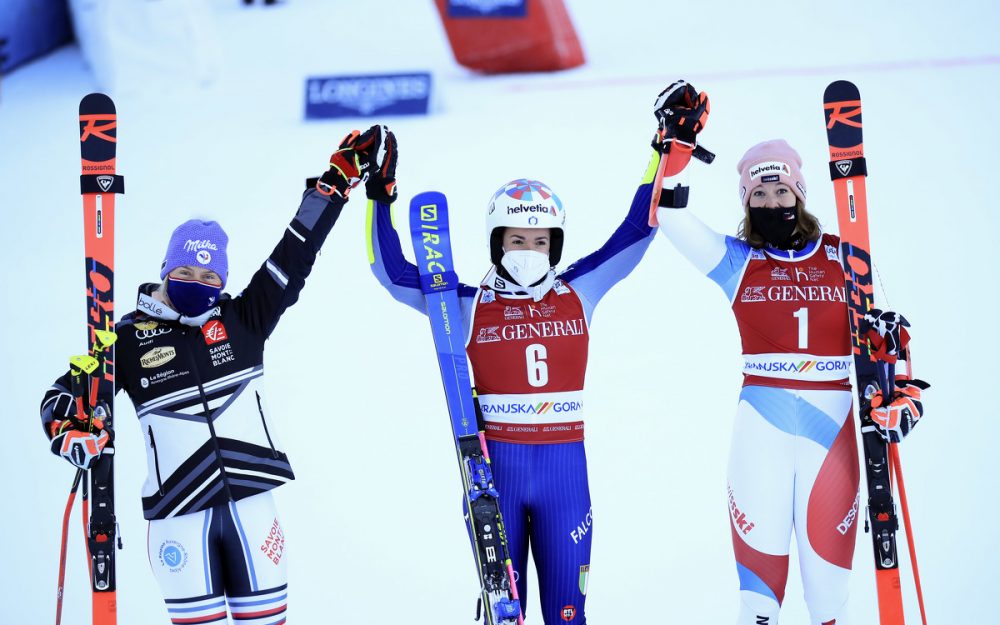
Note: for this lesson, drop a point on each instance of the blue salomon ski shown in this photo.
(432, 248)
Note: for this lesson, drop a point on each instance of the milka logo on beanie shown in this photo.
(770, 167)
(201, 247)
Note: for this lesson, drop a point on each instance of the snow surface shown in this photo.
(375, 533)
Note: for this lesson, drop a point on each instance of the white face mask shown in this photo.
(526, 266)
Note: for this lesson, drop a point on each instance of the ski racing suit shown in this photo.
(213, 454)
(796, 403)
(529, 360)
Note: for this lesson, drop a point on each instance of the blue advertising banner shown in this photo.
(330, 97)
(487, 8)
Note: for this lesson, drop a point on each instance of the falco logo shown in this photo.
(488, 297)
(488, 335)
(214, 332)
(105, 182)
(843, 167)
(753, 294)
(831, 253)
(582, 528)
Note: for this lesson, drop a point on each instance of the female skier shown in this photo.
(191, 360)
(527, 329)
(785, 282)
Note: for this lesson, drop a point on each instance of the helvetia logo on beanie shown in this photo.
(770, 167)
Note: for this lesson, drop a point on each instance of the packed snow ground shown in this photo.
(375, 533)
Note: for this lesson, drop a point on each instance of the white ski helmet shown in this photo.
(525, 203)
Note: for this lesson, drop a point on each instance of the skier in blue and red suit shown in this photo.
(527, 330)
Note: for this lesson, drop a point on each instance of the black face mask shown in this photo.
(776, 225)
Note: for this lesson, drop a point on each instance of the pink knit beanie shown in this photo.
(771, 161)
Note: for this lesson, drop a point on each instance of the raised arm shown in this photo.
(385, 255)
(593, 275)
(280, 279)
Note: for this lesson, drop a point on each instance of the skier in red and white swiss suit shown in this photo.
(785, 282)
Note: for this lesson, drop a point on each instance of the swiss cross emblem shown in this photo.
(214, 332)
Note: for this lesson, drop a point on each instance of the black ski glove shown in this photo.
(681, 112)
(79, 442)
(381, 183)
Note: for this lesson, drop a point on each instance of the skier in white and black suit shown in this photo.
(191, 360)
(785, 282)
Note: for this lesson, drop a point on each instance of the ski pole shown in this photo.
(60, 586)
(898, 473)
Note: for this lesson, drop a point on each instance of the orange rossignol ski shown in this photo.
(98, 184)
(842, 106)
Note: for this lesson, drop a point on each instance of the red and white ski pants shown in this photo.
(793, 464)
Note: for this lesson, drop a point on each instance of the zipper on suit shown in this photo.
(156, 460)
(208, 414)
(260, 409)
